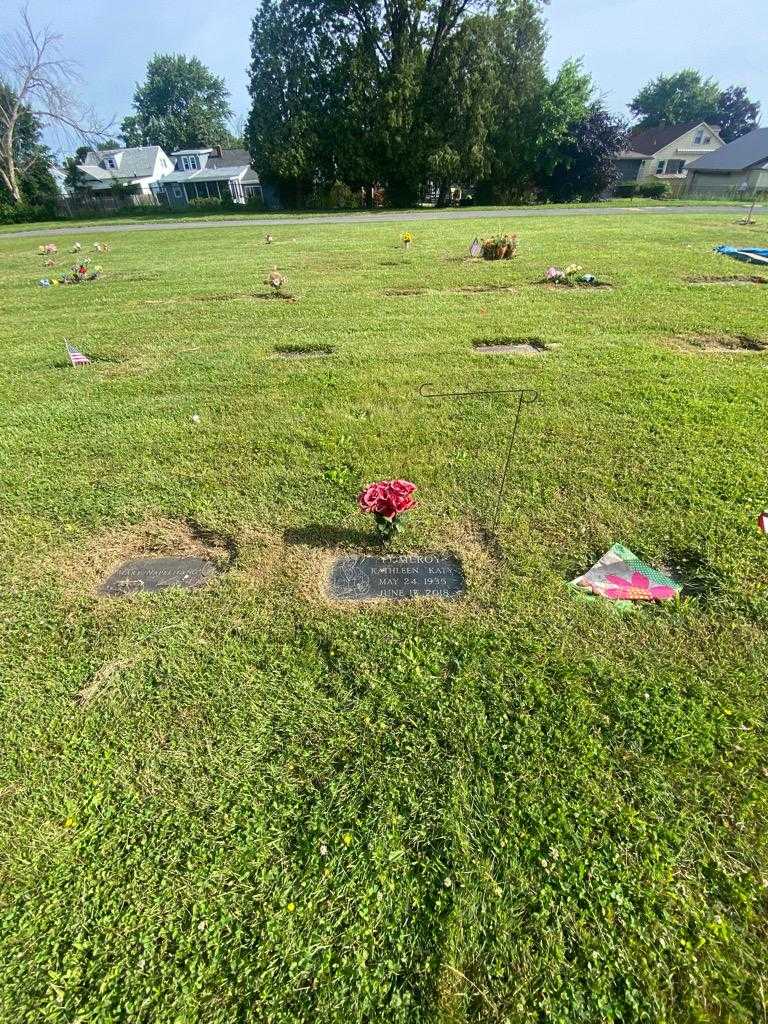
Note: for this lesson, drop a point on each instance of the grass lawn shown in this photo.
(248, 804)
(160, 214)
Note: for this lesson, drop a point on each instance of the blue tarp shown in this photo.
(745, 255)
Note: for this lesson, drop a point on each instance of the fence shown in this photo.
(101, 205)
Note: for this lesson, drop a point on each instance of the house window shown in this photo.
(190, 163)
(111, 163)
(660, 166)
(698, 138)
(178, 192)
(675, 166)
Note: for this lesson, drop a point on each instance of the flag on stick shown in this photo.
(762, 521)
(76, 357)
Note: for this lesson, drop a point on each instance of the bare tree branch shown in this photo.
(39, 82)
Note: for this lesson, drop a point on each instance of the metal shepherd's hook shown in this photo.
(525, 396)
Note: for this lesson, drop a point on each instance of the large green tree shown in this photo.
(687, 96)
(675, 99)
(180, 104)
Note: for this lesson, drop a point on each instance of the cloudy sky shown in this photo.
(623, 43)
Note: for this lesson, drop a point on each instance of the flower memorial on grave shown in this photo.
(475, 249)
(500, 247)
(76, 247)
(387, 501)
(275, 279)
(762, 522)
(81, 272)
(47, 250)
(572, 277)
(101, 246)
(407, 239)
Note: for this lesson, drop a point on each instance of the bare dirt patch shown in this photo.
(84, 569)
(395, 292)
(730, 279)
(476, 289)
(244, 296)
(304, 351)
(510, 346)
(724, 343)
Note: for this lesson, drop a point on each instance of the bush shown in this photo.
(341, 197)
(653, 188)
(11, 213)
(625, 190)
(254, 204)
(205, 205)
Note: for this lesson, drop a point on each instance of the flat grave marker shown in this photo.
(396, 577)
(149, 575)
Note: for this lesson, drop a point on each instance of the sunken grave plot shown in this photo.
(510, 346)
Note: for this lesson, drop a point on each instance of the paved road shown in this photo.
(376, 218)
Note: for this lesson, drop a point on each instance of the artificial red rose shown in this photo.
(387, 498)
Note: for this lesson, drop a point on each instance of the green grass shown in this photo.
(246, 804)
(161, 214)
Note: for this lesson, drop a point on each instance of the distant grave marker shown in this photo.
(396, 577)
(148, 575)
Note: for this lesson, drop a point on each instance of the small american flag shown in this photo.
(762, 521)
(76, 357)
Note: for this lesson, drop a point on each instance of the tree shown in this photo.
(676, 99)
(584, 165)
(736, 113)
(180, 105)
(37, 92)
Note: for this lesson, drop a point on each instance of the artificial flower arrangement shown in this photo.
(500, 247)
(47, 250)
(76, 247)
(101, 246)
(81, 272)
(571, 277)
(407, 239)
(387, 501)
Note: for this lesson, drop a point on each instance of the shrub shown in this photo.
(20, 213)
(341, 197)
(625, 190)
(653, 188)
(254, 204)
(203, 205)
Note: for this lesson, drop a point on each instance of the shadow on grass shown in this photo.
(317, 535)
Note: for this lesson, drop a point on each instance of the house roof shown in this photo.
(631, 154)
(230, 158)
(243, 173)
(94, 171)
(135, 162)
(738, 155)
(650, 140)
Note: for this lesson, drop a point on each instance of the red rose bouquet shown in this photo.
(388, 500)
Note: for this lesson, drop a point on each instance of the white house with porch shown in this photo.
(138, 168)
(209, 173)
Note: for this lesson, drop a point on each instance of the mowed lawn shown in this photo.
(250, 804)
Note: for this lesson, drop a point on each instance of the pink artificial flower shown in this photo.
(637, 588)
(387, 498)
(554, 274)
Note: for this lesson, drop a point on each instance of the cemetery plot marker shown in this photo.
(148, 575)
(525, 396)
(396, 577)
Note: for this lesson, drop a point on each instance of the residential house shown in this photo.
(739, 167)
(138, 168)
(666, 151)
(209, 173)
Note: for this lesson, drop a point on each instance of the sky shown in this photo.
(622, 43)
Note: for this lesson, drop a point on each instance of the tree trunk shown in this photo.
(8, 168)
